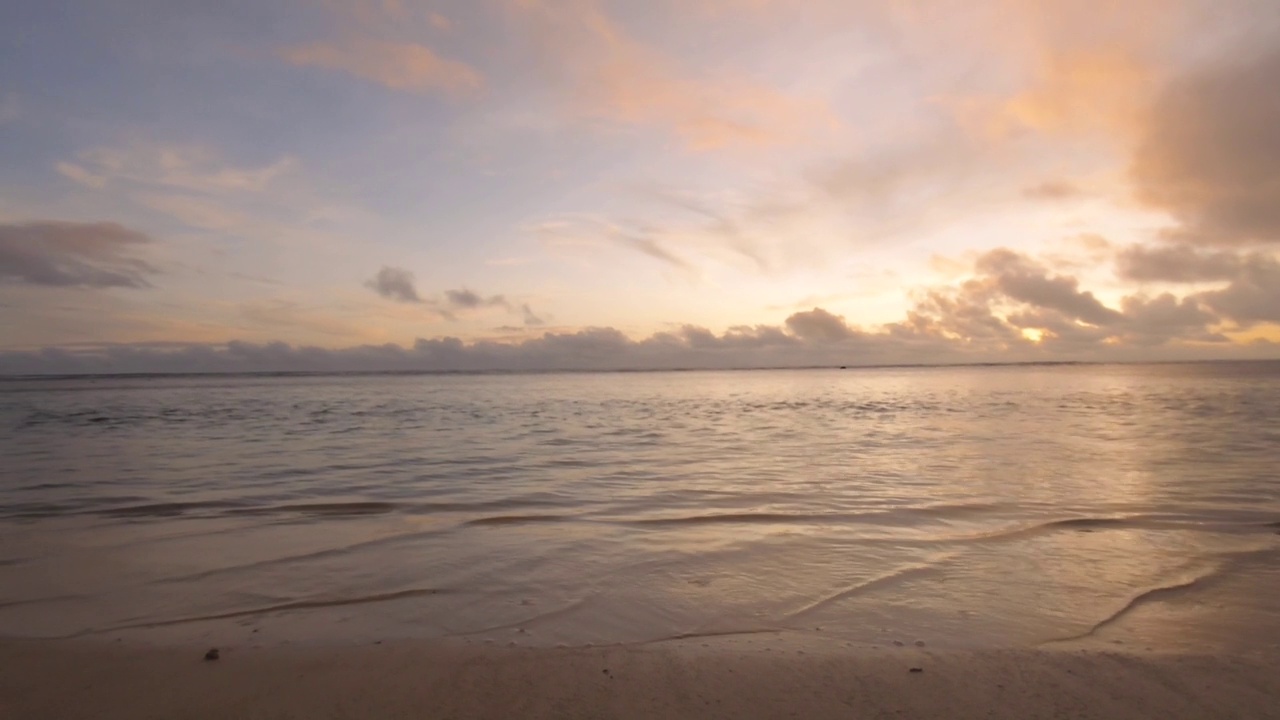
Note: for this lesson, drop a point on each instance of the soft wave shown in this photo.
(518, 519)
(110, 507)
(168, 509)
(1228, 564)
(1131, 522)
(315, 604)
(894, 516)
(326, 509)
(744, 517)
(304, 557)
(892, 577)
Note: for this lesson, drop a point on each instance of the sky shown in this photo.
(520, 184)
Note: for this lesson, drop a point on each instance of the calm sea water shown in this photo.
(960, 506)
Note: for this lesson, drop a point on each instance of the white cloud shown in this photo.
(185, 168)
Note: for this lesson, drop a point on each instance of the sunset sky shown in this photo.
(400, 184)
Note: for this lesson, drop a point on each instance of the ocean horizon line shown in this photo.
(604, 371)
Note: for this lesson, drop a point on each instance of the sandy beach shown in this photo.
(771, 677)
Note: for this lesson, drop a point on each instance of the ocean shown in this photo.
(1137, 505)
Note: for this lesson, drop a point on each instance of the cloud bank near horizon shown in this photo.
(829, 343)
(1011, 308)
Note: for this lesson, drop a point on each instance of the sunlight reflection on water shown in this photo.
(974, 505)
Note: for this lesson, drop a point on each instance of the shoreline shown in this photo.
(702, 677)
(499, 372)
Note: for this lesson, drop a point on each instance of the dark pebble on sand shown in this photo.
(897, 643)
(212, 654)
(917, 669)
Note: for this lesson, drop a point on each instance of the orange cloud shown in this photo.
(614, 78)
(406, 67)
(440, 22)
(706, 116)
(1079, 90)
(1208, 152)
(1064, 67)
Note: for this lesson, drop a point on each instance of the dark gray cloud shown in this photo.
(1155, 321)
(967, 313)
(1210, 154)
(964, 312)
(1177, 264)
(531, 319)
(396, 284)
(1061, 334)
(1013, 302)
(588, 349)
(1253, 295)
(68, 254)
(656, 250)
(1025, 281)
(819, 325)
(400, 285)
(464, 299)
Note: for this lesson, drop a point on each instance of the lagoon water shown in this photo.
(973, 506)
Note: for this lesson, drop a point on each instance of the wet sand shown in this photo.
(704, 678)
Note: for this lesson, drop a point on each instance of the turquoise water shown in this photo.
(974, 506)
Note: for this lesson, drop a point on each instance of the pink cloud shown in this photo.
(406, 67)
(614, 78)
